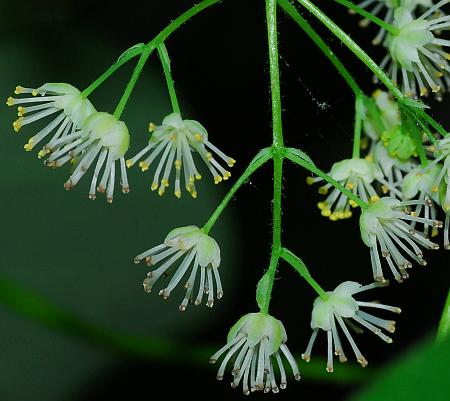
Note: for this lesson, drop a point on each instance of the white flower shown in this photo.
(195, 246)
(340, 306)
(177, 140)
(383, 224)
(393, 169)
(357, 175)
(256, 340)
(102, 135)
(48, 100)
(420, 184)
(417, 53)
(442, 154)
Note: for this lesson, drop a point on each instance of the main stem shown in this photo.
(277, 147)
(444, 325)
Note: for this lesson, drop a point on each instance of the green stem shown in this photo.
(301, 268)
(127, 56)
(430, 120)
(277, 126)
(160, 38)
(132, 82)
(310, 167)
(360, 53)
(262, 157)
(359, 114)
(444, 325)
(314, 36)
(165, 61)
(277, 148)
(390, 28)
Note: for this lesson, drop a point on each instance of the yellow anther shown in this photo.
(151, 127)
(17, 125)
(178, 164)
(349, 185)
(73, 161)
(154, 186)
(436, 88)
(217, 179)
(226, 175)
(352, 203)
(326, 212)
(447, 56)
(339, 214)
(439, 74)
(413, 214)
(198, 177)
(29, 146)
(165, 182)
(321, 205)
(309, 180)
(434, 232)
(191, 179)
(423, 91)
(374, 198)
(333, 217)
(18, 90)
(10, 101)
(348, 214)
(446, 207)
(198, 137)
(144, 166)
(209, 156)
(161, 191)
(194, 194)
(178, 194)
(384, 189)
(364, 143)
(43, 153)
(231, 162)
(21, 111)
(369, 157)
(173, 137)
(129, 163)
(323, 190)
(431, 148)
(34, 92)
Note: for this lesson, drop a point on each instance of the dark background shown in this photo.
(78, 254)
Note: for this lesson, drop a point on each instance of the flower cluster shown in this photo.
(340, 307)
(199, 252)
(176, 139)
(257, 341)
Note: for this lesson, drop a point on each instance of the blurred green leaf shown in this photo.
(422, 375)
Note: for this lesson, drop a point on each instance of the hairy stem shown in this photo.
(261, 158)
(360, 53)
(314, 36)
(359, 114)
(165, 61)
(301, 269)
(277, 147)
(132, 82)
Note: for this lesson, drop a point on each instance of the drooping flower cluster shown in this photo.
(416, 54)
(176, 140)
(358, 176)
(200, 253)
(385, 228)
(340, 309)
(46, 101)
(257, 342)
